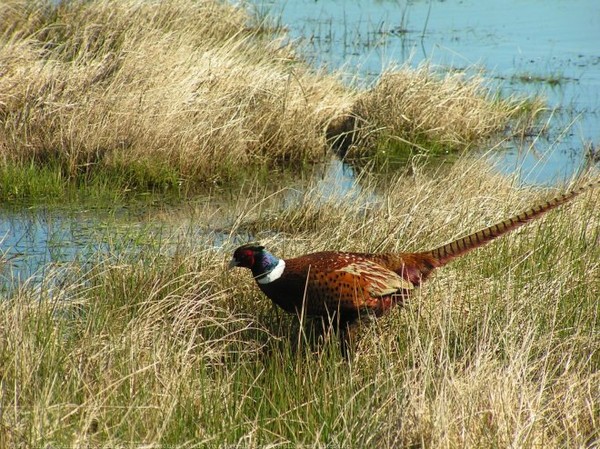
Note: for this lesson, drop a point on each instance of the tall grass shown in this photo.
(499, 349)
(421, 109)
(194, 86)
(192, 92)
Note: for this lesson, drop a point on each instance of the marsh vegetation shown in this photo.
(176, 95)
(147, 340)
(164, 347)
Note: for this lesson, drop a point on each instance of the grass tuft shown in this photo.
(163, 347)
(196, 87)
(421, 110)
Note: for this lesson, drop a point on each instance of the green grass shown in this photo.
(165, 348)
(49, 184)
(31, 183)
(392, 154)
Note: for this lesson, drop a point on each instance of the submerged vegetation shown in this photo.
(165, 348)
(179, 94)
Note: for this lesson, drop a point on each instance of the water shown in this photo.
(39, 243)
(527, 47)
(35, 241)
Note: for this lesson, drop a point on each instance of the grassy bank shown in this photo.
(160, 95)
(166, 348)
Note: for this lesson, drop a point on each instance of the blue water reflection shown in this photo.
(545, 47)
(36, 241)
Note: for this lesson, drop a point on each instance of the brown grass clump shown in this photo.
(192, 91)
(422, 108)
(193, 87)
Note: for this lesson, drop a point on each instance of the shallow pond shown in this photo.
(36, 241)
(528, 47)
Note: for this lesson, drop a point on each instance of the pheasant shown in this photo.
(340, 287)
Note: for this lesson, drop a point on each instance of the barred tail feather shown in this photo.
(446, 253)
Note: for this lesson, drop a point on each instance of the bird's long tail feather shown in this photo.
(449, 251)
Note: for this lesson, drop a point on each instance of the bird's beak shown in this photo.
(232, 263)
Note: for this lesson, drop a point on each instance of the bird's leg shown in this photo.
(320, 329)
(348, 333)
(326, 327)
(315, 332)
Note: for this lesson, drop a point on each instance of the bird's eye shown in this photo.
(245, 259)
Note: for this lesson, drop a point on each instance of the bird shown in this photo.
(342, 287)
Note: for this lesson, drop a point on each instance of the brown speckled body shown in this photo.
(327, 283)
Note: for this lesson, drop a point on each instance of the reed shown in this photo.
(163, 347)
(178, 94)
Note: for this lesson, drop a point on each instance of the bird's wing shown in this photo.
(376, 280)
(349, 283)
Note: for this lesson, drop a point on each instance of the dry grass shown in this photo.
(192, 85)
(164, 348)
(420, 108)
(499, 349)
(192, 92)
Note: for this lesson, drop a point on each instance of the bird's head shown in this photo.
(264, 265)
(247, 255)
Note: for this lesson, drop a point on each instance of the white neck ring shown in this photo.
(272, 275)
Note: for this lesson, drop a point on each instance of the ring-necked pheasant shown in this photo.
(342, 286)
